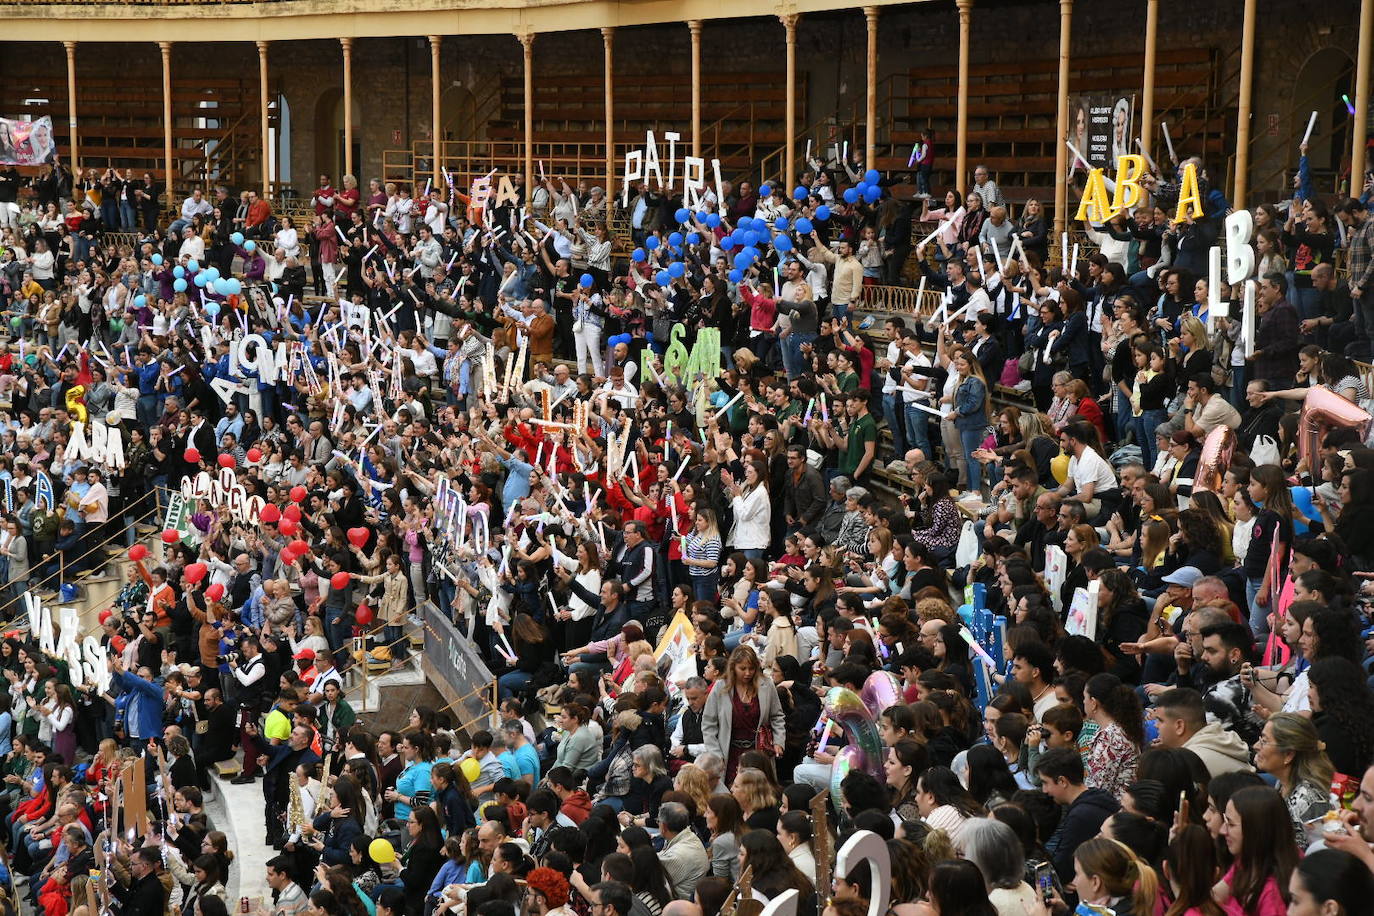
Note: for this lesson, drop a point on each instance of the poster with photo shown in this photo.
(24, 142)
(1101, 128)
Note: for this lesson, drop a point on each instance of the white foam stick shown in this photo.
(1073, 261)
(1063, 248)
(926, 407)
(941, 228)
(339, 230)
(1213, 285)
(1148, 158)
(730, 403)
(921, 294)
(808, 151)
(1168, 141)
(1111, 185)
(1247, 325)
(1311, 124)
(681, 467)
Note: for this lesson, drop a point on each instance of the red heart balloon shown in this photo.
(191, 455)
(254, 455)
(358, 537)
(171, 536)
(339, 581)
(137, 552)
(226, 460)
(298, 494)
(194, 572)
(269, 515)
(286, 527)
(292, 512)
(363, 615)
(299, 547)
(215, 592)
(287, 557)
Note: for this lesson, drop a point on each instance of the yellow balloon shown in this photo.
(382, 851)
(470, 769)
(76, 406)
(1059, 467)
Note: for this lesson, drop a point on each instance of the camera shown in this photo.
(227, 659)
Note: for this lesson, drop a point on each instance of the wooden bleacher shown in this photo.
(124, 130)
(1013, 107)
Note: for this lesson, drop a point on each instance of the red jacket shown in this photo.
(259, 212)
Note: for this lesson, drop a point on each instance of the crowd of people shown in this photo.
(431, 400)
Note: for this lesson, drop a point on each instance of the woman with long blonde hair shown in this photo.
(742, 712)
(1109, 873)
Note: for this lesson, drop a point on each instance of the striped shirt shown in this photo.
(699, 547)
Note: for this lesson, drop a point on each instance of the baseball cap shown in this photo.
(305, 655)
(1186, 576)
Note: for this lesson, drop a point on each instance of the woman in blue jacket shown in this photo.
(1072, 341)
(970, 414)
(340, 824)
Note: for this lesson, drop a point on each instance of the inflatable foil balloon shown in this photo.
(881, 690)
(864, 748)
(1322, 411)
(1217, 449)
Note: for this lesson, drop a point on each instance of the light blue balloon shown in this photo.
(822, 213)
(218, 285)
(235, 287)
(212, 309)
(178, 271)
(803, 226)
(250, 246)
(140, 301)
(156, 259)
(179, 285)
(192, 266)
(676, 269)
(212, 273)
(719, 399)
(200, 280)
(782, 243)
(236, 238)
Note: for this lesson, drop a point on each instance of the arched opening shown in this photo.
(329, 134)
(1323, 79)
(457, 114)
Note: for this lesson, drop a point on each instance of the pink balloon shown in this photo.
(1324, 410)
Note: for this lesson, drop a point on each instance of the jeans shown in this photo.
(839, 309)
(704, 587)
(792, 359)
(970, 439)
(918, 430)
(513, 682)
(128, 216)
(1259, 616)
(1144, 427)
(898, 429)
(1122, 409)
(752, 553)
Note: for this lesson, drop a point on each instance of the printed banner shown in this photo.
(24, 142)
(452, 664)
(1101, 128)
(179, 518)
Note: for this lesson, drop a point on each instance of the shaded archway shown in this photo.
(1325, 76)
(329, 133)
(457, 112)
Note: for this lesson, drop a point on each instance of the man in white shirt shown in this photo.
(192, 246)
(190, 207)
(1091, 480)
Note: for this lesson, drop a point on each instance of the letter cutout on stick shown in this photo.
(1129, 194)
(1096, 206)
(634, 170)
(1189, 196)
(865, 844)
(1240, 257)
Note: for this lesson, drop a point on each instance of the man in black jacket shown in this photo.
(217, 741)
(1061, 776)
(145, 895)
(803, 499)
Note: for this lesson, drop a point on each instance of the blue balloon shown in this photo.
(862, 188)
(753, 238)
(851, 195)
(803, 226)
(178, 271)
(639, 256)
(651, 242)
(736, 276)
(693, 238)
(713, 220)
(140, 301)
(742, 260)
(250, 246)
(728, 243)
(822, 213)
(212, 308)
(212, 273)
(677, 269)
(703, 216)
(218, 286)
(765, 191)
(201, 280)
(68, 591)
(235, 287)
(192, 266)
(801, 193)
(236, 238)
(157, 259)
(179, 285)
(719, 399)
(782, 243)
(873, 194)
(585, 280)
(675, 239)
(872, 176)
(682, 214)
(663, 278)
(781, 224)
(745, 222)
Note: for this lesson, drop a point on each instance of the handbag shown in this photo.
(763, 740)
